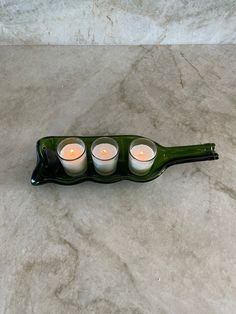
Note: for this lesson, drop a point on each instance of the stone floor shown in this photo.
(167, 246)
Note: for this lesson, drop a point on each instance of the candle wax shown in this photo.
(72, 151)
(104, 151)
(142, 152)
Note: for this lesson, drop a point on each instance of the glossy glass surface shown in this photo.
(49, 168)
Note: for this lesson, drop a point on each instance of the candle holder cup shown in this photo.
(74, 165)
(141, 166)
(105, 164)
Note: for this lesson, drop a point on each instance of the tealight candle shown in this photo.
(105, 151)
(142, 153)
(72, 154)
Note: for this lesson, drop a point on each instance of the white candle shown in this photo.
(105, 155)
(72, 154)
(141, 156)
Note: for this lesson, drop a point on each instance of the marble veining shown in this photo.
(167, 246)
(117, 22)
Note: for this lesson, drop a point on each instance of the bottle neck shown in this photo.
(183, 154)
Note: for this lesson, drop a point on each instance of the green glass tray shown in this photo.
(49, 168)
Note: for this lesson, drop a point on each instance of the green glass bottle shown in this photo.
(49, 168)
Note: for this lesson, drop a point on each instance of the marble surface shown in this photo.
(167, 246)
(117, 22)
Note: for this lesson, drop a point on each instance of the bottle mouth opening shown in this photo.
(215, 155)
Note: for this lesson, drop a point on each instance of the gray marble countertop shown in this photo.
(167, 246)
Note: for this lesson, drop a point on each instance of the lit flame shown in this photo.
(141, 153)
(72, 150)
(104, 151)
